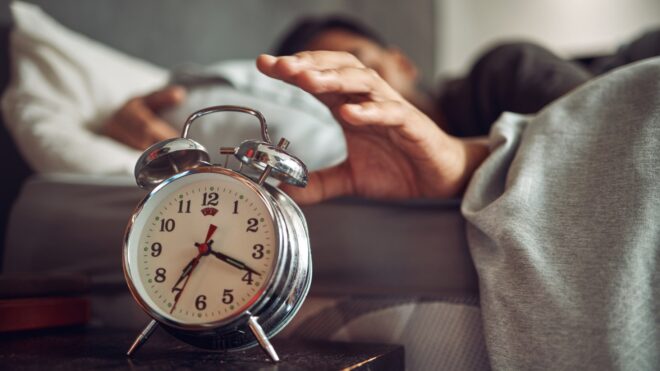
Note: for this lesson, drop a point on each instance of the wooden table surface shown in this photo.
(94, 348)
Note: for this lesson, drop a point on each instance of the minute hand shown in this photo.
(231, 261)
(186, 271)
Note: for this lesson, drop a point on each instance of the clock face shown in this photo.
(202, 249)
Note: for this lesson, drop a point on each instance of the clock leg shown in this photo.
(143, 337)
(262, 339)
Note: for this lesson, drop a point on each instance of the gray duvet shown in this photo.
(564, 229)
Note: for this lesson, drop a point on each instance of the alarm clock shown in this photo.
(219, 258)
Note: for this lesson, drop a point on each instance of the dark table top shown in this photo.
(94, 348)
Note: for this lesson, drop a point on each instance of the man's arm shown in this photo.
(394, 150)
(136, 123)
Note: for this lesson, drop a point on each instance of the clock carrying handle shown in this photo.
(203, 112)
(264, 156)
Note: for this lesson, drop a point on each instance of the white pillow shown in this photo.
(63, 86)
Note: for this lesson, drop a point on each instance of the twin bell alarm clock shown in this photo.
(218, 258)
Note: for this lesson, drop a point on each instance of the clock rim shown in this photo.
(258, 299)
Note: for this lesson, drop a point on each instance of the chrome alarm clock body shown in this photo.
(219, 259)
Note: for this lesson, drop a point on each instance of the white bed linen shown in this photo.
(64, 86)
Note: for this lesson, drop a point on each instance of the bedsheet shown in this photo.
(75, 223)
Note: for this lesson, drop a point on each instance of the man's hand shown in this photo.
(394, 150)
(136, 123)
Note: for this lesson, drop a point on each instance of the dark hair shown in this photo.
(307, 28)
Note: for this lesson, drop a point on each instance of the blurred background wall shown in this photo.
(225, 29)
(441, 36)
(569, 27)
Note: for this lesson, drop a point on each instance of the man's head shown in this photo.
(342, 34)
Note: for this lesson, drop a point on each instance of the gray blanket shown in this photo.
(564, 229)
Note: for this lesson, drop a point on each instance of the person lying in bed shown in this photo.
(562, 208)
(563, 213)
(513, 77)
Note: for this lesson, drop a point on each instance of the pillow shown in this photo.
(63, 86)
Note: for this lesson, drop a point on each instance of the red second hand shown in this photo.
(212, 229)
(203, 248)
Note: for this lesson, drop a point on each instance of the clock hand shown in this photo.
(203, 250)
(233, 262)
(210, 232)
(188, 269)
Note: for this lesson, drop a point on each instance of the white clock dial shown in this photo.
(202, 250)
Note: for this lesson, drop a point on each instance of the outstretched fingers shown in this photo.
(292, 64)
(322, 73)
(386, 113)
(344, 80)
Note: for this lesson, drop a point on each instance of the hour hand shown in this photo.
(233, 262)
